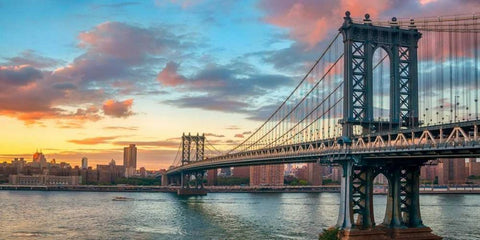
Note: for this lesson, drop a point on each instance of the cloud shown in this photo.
(119, 109)
(184, 4)
(209, 103)
(31, 95)
(94, 140)
(115, 5)
(119, 56)
(164, 144)
(18, 75)
(169, 76)
(309, 21)
(33, 59)
(214, 135)
(263, 112)
(234, 87)
(126, 42)
(121, 128)
(304, 22)
(235, 79)
(239, 135)
(117, 59)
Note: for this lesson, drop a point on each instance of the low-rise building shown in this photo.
(21, 179)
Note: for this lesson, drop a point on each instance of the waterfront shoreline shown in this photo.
(215, 189)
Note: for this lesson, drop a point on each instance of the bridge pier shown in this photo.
(402, 215)
(198, 187)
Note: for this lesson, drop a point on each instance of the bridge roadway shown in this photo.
(455, 140)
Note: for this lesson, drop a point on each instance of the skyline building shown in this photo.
(452, 171)
(212, 177)
(130, 160)
(241, 172)
(267, 175)
(314, 174)
(84, 162)
(473, 167)
(39, 159)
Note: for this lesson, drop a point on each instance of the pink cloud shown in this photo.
(309, 21)
(121, 41)
(169, 75)
(118, 109)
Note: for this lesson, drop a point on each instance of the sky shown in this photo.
(87, 78)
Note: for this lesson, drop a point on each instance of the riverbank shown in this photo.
(227, 189)
(129, 188)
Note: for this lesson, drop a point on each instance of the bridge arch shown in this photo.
(382, 81)
(380, 205)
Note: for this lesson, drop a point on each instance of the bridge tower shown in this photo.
(402, 215)
(193, 150)
(360, 43)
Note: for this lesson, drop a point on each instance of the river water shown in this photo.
(93, 215)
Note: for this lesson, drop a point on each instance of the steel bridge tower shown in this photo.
(402, 215)
(193, 150)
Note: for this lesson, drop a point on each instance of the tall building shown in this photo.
(39, 160)
(212, 177)
(241, 172)
(428, 173)
(267, 175)
(109, 173)
(451, 171)
(314, 174)
(130, 160)
(337, 174)
(473, 168)
(143, 172)
(84, 163)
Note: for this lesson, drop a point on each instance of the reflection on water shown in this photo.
(93, 215)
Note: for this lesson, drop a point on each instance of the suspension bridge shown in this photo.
(385, 97)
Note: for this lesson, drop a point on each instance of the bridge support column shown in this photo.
(165, 180)
(345, 210)
(187, 190)
(402, 215)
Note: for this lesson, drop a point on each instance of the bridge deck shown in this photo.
(423, 143)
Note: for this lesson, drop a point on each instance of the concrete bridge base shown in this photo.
(381, 233)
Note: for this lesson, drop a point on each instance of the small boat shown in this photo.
(122, 199)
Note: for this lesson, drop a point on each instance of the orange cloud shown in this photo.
(118, 108)
(154, 144)
(94, 140)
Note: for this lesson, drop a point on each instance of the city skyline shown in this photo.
(86, 79)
